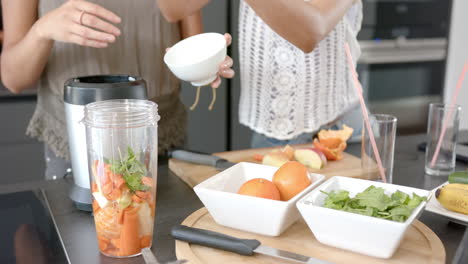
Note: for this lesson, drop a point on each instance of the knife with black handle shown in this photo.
(246, 247)
(212, 239)
(201, 158)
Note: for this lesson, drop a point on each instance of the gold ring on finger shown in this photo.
(81, 16)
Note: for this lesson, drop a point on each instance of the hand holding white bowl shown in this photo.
(201, 59)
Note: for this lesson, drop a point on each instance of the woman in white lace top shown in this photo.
(294, 74)
(295, 79)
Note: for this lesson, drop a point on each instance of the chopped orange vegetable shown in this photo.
(107, 222)
(132, 210)
(147, 181)
(136, 199)
(121, 215)
(107, 188)
(115, 242)
(258, 157)
(124, 188)
(112, 252)
(114, 195)
(129, 237)
(103, 242)
(343, 134)
(95, 206)
(146, 241)
(118, 181)
(331, 153)
(152, 205)
(94, 187)
(333, 142)
(143, 195)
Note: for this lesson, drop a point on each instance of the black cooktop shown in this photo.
(28, 233)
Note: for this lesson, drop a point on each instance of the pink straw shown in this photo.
(357, 84)
(450, 113)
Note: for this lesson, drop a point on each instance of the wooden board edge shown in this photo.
(182, 249)
(176, 172)
(438, 249)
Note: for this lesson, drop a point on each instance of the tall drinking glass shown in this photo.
(122, 153)
(384, 130)
(440, 114)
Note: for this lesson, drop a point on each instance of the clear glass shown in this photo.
(384, 130)
(122, 152)
(445, 162)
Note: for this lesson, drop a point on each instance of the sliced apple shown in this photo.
(289, 151)
(275, 159)
(322, 156)
(309, 158)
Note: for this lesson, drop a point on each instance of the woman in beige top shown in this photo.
(48, 41)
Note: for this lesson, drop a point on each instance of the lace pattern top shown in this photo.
(286, 92)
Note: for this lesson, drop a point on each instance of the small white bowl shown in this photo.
(247, 213)
(359, 233)
(196, 59)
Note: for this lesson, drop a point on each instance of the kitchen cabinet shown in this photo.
(21, 158)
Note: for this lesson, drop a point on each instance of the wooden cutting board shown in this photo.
(193, 174)
(420, 245)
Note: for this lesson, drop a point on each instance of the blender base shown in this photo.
(81, 198)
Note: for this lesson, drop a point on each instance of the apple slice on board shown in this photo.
(311, 158)
(275, 159)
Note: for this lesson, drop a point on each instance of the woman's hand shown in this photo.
(225, 70)
(79, 22)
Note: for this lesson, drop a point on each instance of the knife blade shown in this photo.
(246, 247)
(202, 158)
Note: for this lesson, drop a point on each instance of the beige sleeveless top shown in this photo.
(138, 51)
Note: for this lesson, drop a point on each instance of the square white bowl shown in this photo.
(359, 233)
(247, 213)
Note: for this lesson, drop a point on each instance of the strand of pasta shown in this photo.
(197, 97)
(213, 100)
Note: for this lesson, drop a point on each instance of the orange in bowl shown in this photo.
(260, 187)
(291, 179)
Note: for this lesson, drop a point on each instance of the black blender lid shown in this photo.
(87, 89)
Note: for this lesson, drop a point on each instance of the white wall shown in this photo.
(457, 55)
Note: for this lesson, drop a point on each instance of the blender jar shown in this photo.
(122, 156)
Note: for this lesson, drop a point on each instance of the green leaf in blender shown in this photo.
(131, 169)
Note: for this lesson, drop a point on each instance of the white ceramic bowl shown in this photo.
(247, 213)
(196, 59)
(359, 233)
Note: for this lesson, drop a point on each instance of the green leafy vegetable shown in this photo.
(337, 200)
(415, 201)
(131, 169)
(373, 197)
(401, 197)
(374, 202)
